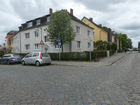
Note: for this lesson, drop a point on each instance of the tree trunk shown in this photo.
(62, 47)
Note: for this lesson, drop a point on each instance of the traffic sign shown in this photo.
(41, 42)
(59, 40)
(4, 44)
(4, 49)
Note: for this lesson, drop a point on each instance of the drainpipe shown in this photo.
(20, 42)
(100, 34)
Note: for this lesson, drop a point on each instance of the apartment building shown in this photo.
(34, 32)
(8, 36)
(99, 32)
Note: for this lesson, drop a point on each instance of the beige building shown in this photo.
(99, 32)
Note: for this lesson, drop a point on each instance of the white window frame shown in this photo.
(93, 34)
(36, 46)
(36, 32)
(30, 24)
(47, 39)
(78, 44)
(48, 19)
(78, 30)
(27, 35)
(89, 45)
(106, 36)
(38, 22)
(88, 33)
(27, 47)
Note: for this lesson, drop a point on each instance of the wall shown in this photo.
(99, 33)
(20, 37)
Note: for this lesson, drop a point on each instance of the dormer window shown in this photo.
(38, 22)
(30, 24)
(48, 19)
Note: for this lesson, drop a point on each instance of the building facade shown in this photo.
(8, 36)
(99, 32)
(32, 32)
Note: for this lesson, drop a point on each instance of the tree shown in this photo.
(138, 44)
(60, 27)
(101, 45)
(126, 42)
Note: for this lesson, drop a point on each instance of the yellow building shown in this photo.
(99, 32)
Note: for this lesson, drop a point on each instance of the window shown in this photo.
(36, 33)
(27, 47)
(30, 24)
(35, 54)
(77, 29)
(48, 19)
(78, 44)
(88, 33)
(46, 39)
(93, 34)
(27, 35)
(38, 22)
(106, 36)
(36, 46)
(89, 45)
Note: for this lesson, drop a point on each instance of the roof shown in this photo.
(44, 22)
(94, 23)
(78, 20)
(12, 32)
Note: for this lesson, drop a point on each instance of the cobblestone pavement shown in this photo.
(115, 84)
(103, 62)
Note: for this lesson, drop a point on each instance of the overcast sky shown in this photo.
(122, 16)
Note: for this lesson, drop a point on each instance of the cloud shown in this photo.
(119, 15)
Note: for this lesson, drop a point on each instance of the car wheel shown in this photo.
(8, 62)
(37, 63)
(23, 63)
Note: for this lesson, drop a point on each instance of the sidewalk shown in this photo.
(103, 62)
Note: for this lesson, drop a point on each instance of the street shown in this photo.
(97, 84)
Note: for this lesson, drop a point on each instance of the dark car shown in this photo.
(139, 50)
(11, 58)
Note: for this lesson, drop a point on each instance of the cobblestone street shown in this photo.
(100, 83)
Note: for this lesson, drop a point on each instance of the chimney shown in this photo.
(71, 11)
(50, 11)
(91, 19)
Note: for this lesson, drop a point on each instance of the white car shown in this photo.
(37, 58)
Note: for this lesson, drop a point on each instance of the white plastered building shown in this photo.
(32, 32)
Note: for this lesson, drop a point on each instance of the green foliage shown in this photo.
(104, 27)
(60, 27)
(126, 42)
(1, 53)
(79, 56)
(102, 45)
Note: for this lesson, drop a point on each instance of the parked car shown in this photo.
(37, 58)
(11, 58)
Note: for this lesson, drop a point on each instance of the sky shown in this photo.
(122, 16)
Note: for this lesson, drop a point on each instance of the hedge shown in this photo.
(79, 56)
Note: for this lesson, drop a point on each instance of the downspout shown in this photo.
(20, 42)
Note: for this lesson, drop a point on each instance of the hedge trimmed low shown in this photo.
(79, 56)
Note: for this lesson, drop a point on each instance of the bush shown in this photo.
(79, 56)
(1, 53)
